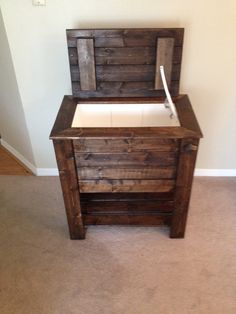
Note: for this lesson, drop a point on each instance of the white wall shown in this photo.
(38, 46)
(13, 127)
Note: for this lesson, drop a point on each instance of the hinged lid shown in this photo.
(124, 62)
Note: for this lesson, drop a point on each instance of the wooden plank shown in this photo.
(115, 89)
(186, 115)
(127, 207)
(131, 55)
(126, 145)
(93, 186)
(134, 159)
(124, 86)
(87, 173)
(108, 42)
(119, 219)
(69, 184)
(164, 57)
(86, 63)
(148, 132)
(126, 37)
(127, 197)
(124, 73)
(184, 181)
(65, 116)
(128, 55)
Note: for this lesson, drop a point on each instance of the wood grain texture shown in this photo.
(122, 207)
(126, 145)
(125, 37)
(130, 176)
(184, 181)
(164, 57)
(146, 158)
(127, 197)
(125, 219)
(124, 73)
(100, 186)
(86, 63)
(125, 55)
(128, 172)
(70, 189)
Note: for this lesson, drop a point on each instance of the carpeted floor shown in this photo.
(122, 270)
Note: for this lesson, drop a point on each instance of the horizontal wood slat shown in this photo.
(137, 158)
(93, 186)
(125, 55)
(87, 173)
(125, 145)
(127, 197)
(125, 37)
(124, 73)
(120, 89)
(130, 206)
(119, 219)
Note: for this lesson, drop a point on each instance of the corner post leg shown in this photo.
(69, 183)
(185, 171)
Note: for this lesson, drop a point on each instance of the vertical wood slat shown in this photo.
(70, 189)
(164, 56)
(86, 61)
(187, 159)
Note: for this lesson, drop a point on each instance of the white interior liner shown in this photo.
(123, 115)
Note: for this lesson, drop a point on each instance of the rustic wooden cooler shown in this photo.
(121, 158)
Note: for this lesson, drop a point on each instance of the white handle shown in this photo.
(171, 104)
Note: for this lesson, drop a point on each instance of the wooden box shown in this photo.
(119, 162)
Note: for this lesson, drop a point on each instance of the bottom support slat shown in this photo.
(126, 206)
(128, 219)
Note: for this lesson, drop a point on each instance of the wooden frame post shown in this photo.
(185, 171)
(69, 183)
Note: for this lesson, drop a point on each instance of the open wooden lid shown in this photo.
(124, 62)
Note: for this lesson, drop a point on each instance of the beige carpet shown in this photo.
(123, 270)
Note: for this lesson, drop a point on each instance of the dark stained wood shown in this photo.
(124, 73)
(184, 181)
(130, 176)
(123, 89)
(69, 184)
(128, 172)
(125, 219)
(127, 197)
(135, 159)
(122, 207)
(125, 37)
(129, 55)
(64, 117)
(187, 116)
(164, 57)
(86, 63)
(126, 145)
(99, 186)
(123, 55)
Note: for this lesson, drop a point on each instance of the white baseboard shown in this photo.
(215, 172)
(20, 157)
(54, 171)
(47, 172)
